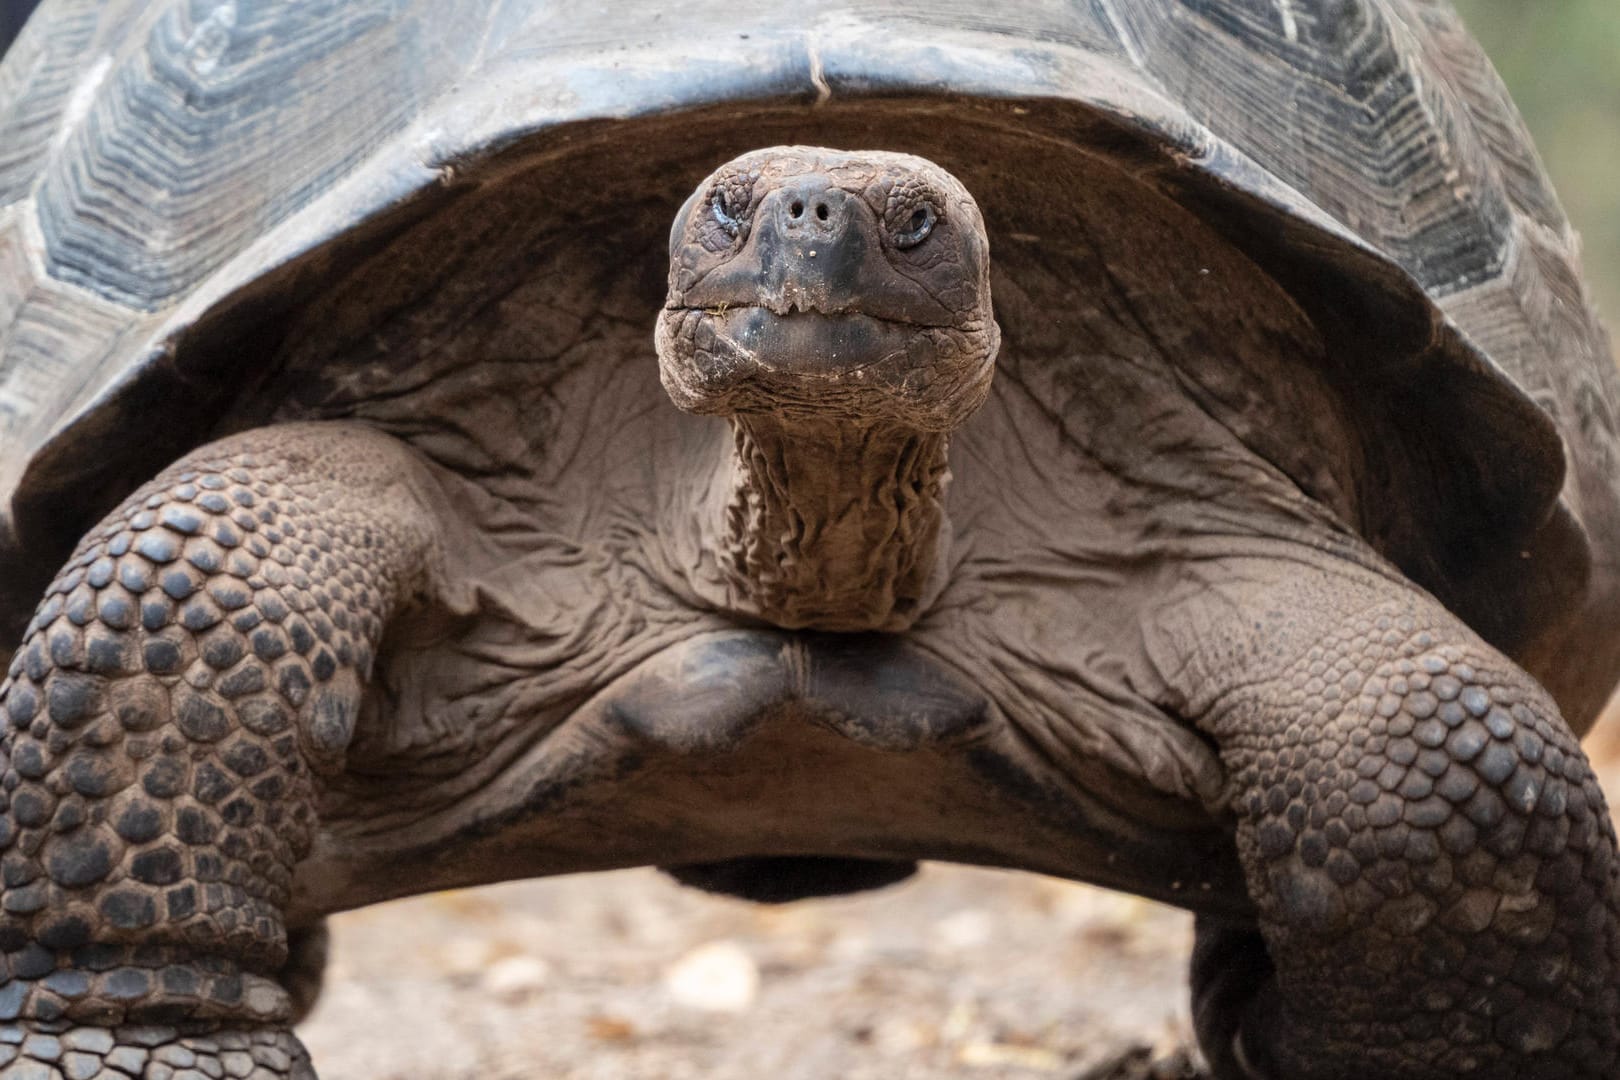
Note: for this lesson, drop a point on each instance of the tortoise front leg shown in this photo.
(199, 661)
(1428, 849)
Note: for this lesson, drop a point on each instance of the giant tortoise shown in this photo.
(1254, 550)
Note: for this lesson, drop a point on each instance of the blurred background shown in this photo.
(960, 974)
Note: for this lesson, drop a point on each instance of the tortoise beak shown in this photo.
(811, 248)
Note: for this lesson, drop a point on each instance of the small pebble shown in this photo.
(717, 977)
(967, 929)
(516, 977)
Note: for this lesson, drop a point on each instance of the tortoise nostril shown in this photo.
(797, 209)
(821, 211)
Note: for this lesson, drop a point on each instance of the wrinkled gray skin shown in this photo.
(877, 604)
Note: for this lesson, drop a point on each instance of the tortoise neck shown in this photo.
(829, 524)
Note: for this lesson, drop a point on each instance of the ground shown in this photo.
(961, 974)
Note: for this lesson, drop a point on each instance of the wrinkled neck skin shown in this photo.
(825, 522)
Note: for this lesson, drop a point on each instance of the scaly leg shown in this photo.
(190, 674)
(1429, 852)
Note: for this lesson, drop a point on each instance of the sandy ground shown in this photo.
(628, 976)
(960, 973)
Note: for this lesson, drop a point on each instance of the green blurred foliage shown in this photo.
(1561, 60)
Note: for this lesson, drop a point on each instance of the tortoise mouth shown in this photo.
(805, 342)
(728, 359)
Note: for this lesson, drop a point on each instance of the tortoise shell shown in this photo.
(214, 215)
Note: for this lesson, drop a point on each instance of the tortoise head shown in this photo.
(807, 278)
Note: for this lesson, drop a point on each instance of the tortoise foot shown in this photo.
(1231, 978)
(39, 1051)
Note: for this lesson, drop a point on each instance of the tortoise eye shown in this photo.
(729, 216)
(914, 229)
(728, 204)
